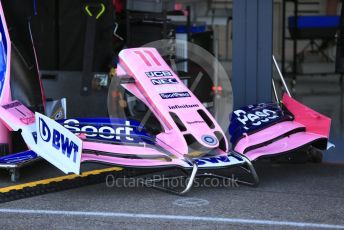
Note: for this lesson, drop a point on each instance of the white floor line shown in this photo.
(173, 218)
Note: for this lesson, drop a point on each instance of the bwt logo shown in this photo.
(174, 95)
(58, 140)
(212, 160)
(164, 81)
(165, 73)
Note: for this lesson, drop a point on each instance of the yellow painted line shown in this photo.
(58, 179)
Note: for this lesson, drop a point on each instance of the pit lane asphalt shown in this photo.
(302, 193)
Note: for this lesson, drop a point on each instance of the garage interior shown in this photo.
(77, 45)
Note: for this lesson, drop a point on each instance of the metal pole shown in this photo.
(281, 76)
(275, 91)
(283, 35)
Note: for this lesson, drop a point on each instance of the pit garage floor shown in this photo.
(290, 196)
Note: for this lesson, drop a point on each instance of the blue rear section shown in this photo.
(252, 118)
(3, 35)
(314, 22)
(3, 55)
(109, 129)
(18, 158)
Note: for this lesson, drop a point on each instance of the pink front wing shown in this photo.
(308, 128)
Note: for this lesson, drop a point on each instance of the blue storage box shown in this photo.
(313, 27)
(195, 28)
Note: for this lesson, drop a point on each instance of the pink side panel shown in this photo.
(5, 96)
(122, 149)
(145, 152)
(267, 134)
(16, 114)
(312, 120)
(284, 145)
(6, 93)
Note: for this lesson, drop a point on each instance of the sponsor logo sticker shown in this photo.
(174, 95)
(18, 110)
(194, 122)
(256, 118)
(108, 132)
(12, 105)
(164, 73)
(164, 81)
(112, 130)
(176, 87)
(58, 140)
(212, 161)
(57, 145)
(185, 106)
(209, 140)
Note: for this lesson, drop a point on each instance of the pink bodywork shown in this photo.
(17, 115)
(309, 127)
(314, 121)
(5, 96)
(137, 63)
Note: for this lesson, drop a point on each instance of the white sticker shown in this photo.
(58, 145)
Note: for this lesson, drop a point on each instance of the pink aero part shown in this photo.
(186, 107)
(132, 162)
(143, 151)
(146, 156)
(284, 145)
(312, 120)
(308, 128)
(266, 135)
(17, 114)
(6, 91)
(5, 96)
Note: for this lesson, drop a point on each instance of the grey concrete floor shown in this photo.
(288, 197)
